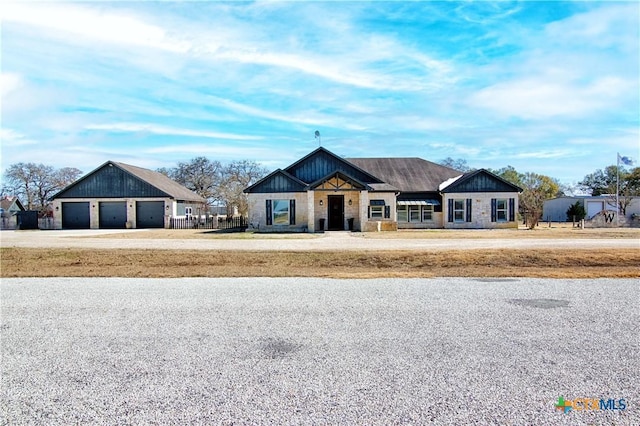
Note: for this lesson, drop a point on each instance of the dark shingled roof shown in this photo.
(162, 182)
(407, 174)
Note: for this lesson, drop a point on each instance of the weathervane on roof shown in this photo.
(319, 138)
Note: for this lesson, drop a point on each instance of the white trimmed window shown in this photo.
(377, 211)
(501, 210)
(414, 213)
(459, 210)
(427, 213)
(402, 213)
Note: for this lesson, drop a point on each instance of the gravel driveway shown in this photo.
(317, 351)
(329, 241)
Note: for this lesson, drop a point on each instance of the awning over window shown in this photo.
(418, 203)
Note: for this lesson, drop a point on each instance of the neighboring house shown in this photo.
(323, 191)
(9, 208)
(117, 195)
(555, 210)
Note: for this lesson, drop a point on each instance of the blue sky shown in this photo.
(547, 87)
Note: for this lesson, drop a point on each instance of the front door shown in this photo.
(336, 213)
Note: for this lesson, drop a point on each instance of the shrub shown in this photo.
(576, 210)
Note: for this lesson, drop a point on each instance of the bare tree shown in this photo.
(200, 175)
(238, 175)
(36, 183)
(457, 164)
(536, 189)
(217, 182)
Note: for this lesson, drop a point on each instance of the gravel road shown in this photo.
(317, 351)
(329, 241)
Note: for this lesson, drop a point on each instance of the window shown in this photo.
(280, 212)
(501, 210)
(402, 214)
(427, 213)
(414, 213)
(458, 210)
(377, 209)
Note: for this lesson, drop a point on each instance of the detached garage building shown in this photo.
(118, 196)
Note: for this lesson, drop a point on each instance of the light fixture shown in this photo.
(350, 202)
(57, 208)
(321, 202)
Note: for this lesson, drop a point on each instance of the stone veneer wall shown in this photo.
(371, 224)
(258, 212)
(480, 211)
(610, 219)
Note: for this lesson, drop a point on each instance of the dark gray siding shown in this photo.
(278, 182)
(321, 163)
(112, 214)
(149, 214)
(481, 181)
(111, 182)
(75, 215)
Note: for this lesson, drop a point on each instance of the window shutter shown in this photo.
(469, 200)
(292, 212)
(387, 212)
(269, 215)
(450, 210)
(512, 209)
(494, 209)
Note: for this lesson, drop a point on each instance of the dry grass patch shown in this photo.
(23, 262)
(520, 233)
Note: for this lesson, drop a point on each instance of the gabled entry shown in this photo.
(336, 212)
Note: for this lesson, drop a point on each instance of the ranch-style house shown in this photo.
(323, 191)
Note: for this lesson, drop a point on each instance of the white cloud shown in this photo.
(542, 97)
(604, 26)
(13, 138)
(10, 82)
(166, 130)
(226, 151)
(87, 23)
(545, 154)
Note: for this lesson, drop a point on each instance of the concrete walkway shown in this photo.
(325, 242)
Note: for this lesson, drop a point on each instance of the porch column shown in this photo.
(311, 217)
(364, 209)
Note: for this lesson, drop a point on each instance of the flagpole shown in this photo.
(618, 187)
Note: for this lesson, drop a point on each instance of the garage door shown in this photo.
(149, 214)
(594, 207)
(112, 214)
(75, 215)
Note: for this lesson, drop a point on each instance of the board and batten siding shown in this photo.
(111, 182)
